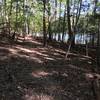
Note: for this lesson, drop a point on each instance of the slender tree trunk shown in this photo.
(76, 21)
(98, 38)
(63, 34)
(92, 40)
(24, 27)
(44, 24)
(49, 22)
(10, 13)
(98, 45)
(59, 24)
(55, 18)
(69, 30)
(5, 9)
(28, 25)
(16, 24)
(69, 23)
(49, 31)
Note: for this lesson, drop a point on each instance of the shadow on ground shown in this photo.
(29, 71)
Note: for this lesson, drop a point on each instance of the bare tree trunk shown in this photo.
(69, 29)
(92, 40)
(49, 31)
(98, 45)
(59, 24)
(44, 24)
(71, 39)
(75, 21)
(63, 34)
(69, 23)
(9, 16)
(16, 24)
(49, 23)
(55, 17)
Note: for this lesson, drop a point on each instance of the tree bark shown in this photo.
(44, 24)
(98, 45)
(63, 34)
(69, 23)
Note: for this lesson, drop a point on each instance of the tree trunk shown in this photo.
(69, 24)
(63, 34)
(28, 25)
(49, 31)
(16, 25)
(59, 37)
(55, 33)
(10, 13)
(44, 24)
(98, 45)
(76, 21)
(49, 23)
(59, 24)
(93, 37)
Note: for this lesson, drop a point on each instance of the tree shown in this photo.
(73, 18)
(44, 24)
(64, 23)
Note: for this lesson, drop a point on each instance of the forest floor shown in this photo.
(29, 71)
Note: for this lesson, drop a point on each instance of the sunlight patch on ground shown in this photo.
(92, 76)
(48, 58)
(65, 75)
(32, 54)
(60, 51)
(31, 51)
(13, 51)
(39, 74)
(89, 76)
(41, 54)
(36, 42)
(56, 54)
(89, 62)
(74, 54)
(38, 97)
(24, 49)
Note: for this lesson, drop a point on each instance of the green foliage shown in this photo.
(21, 13)
(57, 27)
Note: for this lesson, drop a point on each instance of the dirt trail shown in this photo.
(28, 71)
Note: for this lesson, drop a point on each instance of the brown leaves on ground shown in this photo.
(29, 71)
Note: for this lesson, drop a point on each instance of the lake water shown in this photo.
(79, 38)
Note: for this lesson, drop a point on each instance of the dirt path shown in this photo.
(29, 71)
